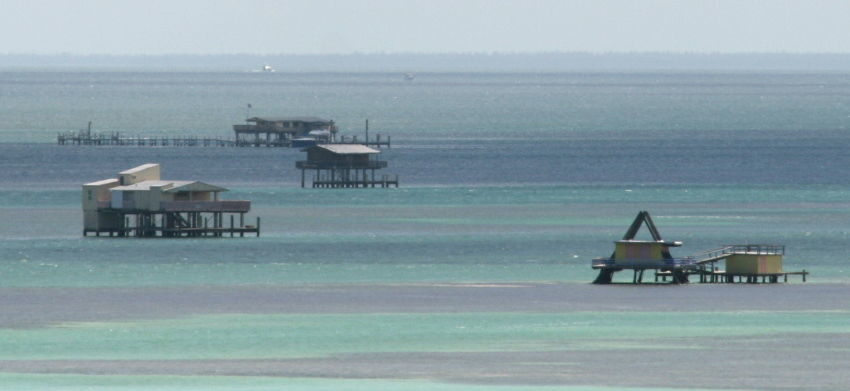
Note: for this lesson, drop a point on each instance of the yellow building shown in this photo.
(752, 264)
(642, 255)
(639, 252)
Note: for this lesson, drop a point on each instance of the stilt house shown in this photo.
(640, 255)
(744, 262)
(280, 131)
(139, 203)
(344, 165)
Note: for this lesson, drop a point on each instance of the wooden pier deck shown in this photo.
(175, 232)
(722, 277)
(118, 139)
(384, 182)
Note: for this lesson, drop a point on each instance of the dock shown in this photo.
(721, 276)
(118, 139)
(330, 181)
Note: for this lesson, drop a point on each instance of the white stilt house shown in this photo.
(139, 203)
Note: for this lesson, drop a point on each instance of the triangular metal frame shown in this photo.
(606, 273)
(643, 217)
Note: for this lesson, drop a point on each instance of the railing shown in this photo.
(761, 249)
(205, 206)
(756, 249)
(597, 263)
(125, 204)
(372, 164)
(117, 139)
(188, 206)
(265, 129)
(601, 262)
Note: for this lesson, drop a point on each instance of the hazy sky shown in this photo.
(346, 26)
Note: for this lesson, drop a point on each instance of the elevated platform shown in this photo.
(744, 263)
(175, 225)
(721, 276)
(678, 269)
(739, 249)
(119, 139)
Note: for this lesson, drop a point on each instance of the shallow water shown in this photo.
(472, 275)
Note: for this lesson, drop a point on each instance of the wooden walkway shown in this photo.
(722, 277)
(175, 232)
(385, 181)
(117, 139)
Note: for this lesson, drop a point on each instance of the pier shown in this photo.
(342, 179)
(119, 139)
(721, 276)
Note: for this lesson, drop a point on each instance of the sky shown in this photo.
(155, 27)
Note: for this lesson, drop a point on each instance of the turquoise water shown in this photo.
(328, 335)
(472, 275)
(168, 383)
(449, 234)
(471, 106)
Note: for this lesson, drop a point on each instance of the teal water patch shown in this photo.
(85, 274)
(549, 194)
(404, 244)
(322, 335)
(426, 234)
(27, 382)
(484, 194)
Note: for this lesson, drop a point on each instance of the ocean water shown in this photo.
(473, 274)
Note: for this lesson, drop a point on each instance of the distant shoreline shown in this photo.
(460, 62)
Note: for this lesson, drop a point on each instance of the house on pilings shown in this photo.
(642, 255)
(344, 166)
(281, 131)
(749, 263)
(140, 203)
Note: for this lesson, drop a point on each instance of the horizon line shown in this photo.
(470, 53)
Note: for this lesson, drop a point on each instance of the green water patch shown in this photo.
(28, 382)
(530, 221)
(239, 336)
(483, 194)
(121, 274)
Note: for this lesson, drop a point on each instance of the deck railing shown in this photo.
(757, 249)
(597, 263)
(767, 249)
(205, 206)
(265, 129)
(370, 165)
(234, 206)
